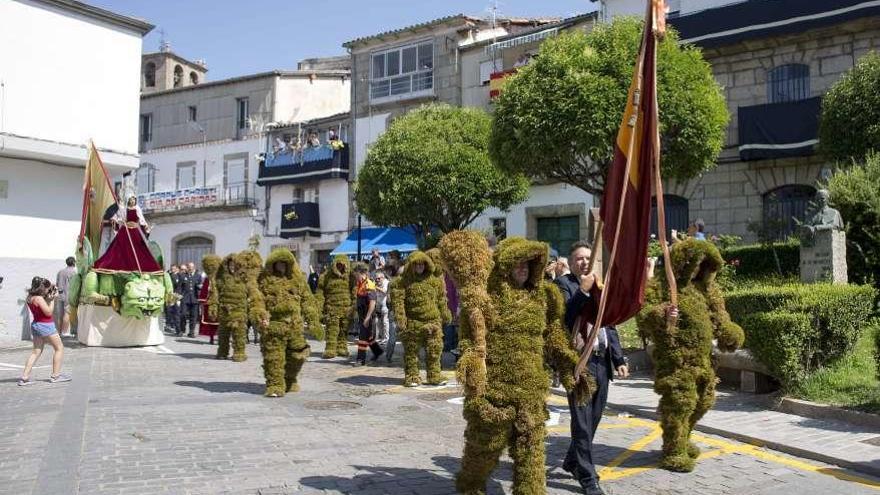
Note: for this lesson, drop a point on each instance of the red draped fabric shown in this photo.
(128, 252)
(207, 326)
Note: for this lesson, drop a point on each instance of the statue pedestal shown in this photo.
(825, 260)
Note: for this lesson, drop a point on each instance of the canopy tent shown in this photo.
(384, 239)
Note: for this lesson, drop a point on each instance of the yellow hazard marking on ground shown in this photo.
(613, 471)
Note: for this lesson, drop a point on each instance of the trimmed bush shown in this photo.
(757, 261)
(794, 329)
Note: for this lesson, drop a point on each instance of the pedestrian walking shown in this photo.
(380, 320)
(366, 305)
(62, 307)
(581, 293)
(172, 311)
(189, 301)
(41, 304)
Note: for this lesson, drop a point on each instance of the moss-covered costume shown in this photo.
(290, 303)
(239, 301)
(682, 355)
(420, 310)
(524, 333)
(336, 302)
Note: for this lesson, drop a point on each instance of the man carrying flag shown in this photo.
(625, 211)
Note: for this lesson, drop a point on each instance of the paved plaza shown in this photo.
(172, 419)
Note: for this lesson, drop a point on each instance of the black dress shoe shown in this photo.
(191, 335)
(592, 488)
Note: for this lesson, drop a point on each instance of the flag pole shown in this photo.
(594, 332)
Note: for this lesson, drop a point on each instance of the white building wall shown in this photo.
(549, 195)
(367, 131)
(68, 78)
(209, 160)
(300, 98)
(65, 79)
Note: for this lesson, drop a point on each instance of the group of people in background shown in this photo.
(185, 313)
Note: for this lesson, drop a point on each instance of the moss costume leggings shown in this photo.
(430, 336)
(336, 336)
(284, 352)
(233, 326)
(485, 442)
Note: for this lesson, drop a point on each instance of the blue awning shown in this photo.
(384, 239)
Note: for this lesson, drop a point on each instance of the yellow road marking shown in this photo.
(631, 451)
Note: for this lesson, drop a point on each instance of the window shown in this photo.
(784, 207)
(407, 70)
(186, 175)
(192, 113)
(559, 232)
(146, 128)
(788, 83)
(297, 195)
(146, 178)
(193, 78)
(150, 75)
(178, 76)
(192, 249)
(235, 170)
(499, 228)
(241, 114)
(677, 215)
(486, 69)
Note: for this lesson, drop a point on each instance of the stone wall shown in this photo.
(729, 197)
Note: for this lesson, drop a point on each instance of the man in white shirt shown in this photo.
(381, 315)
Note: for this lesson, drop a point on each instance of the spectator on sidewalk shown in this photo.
(366, 305)
(581, 294)
(377, 261)
(314, 276)
(62, 308)
(380, 320)
(41, 305)
(189, 299)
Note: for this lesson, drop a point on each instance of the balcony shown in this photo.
(305, 165)
(779, 130)
(236, 195)
(300, 220)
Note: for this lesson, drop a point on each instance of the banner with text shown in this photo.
(193, 197)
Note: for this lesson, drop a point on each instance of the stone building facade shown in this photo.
(201, 147)
(774, 61)
(165, 69)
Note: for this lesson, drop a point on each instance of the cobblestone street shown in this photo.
(172, 419)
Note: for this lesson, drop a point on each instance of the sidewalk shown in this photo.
(750, 419)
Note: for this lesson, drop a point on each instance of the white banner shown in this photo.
(193, 197)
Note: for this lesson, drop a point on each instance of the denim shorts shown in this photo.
(40, 329)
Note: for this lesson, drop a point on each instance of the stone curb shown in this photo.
(815, 410)
(758, 442)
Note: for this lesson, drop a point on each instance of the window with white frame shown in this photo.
(242, 113)
(297, 195)
(403, 71)
(186, 175)
(487, 68)
(146, 178)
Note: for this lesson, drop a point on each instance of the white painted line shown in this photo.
(20, 367)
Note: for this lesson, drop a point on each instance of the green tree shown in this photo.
(850, 123)
(855, 193)
(431, 169)
(557, 118)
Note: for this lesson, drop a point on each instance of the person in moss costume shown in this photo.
(208, 296)
(682, 337)
(239, 301)
(420, 310)
(522, 315)
(335, 301)
(290, 303)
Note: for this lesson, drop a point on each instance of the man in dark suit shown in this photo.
(581, 295)
(189, 300)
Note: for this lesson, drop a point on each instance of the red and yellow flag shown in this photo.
(98, 195)
(626, 203)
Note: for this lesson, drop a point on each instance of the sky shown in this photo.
(237, 37)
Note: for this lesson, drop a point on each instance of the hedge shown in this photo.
(794, 329)
(756, 260)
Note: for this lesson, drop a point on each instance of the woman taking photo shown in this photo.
(41, 303)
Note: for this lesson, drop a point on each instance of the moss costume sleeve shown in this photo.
(319, 293)
(471, 369)
(730, 335)
(651, 320)
(398, 303)
(309, 307)
(256, 304)
(558, 350)
(442, 303)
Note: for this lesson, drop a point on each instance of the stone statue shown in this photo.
(824, 217)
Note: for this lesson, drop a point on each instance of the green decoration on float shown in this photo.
(143, 297)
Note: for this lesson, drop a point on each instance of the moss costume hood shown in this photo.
(514, 250)
(286, 257)
(419, 257)
(341, 266)
(211, 265)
